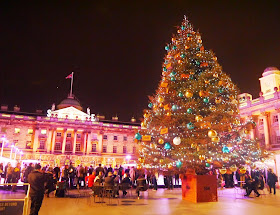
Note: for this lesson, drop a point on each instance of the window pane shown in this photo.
(114, 149)
(124, 149)
(115, 137)
(17, 130)
(105, 137)
(30, 131)
(93, 148)
(43, 131)
(104, 149)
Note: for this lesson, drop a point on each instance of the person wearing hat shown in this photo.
(36, 179)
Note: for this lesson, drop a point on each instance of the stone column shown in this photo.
(49, 140)
(36, 140)
(85, 143)
(75, 141)
(64, 140)
(266, 129)
(100, 142)
(53, 140)
(89, 143)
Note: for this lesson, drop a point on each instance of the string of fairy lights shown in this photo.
(193, 117)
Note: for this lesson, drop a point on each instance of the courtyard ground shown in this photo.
(159, 202)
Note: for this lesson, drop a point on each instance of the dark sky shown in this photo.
(116, 48)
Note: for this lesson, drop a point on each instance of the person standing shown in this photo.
(271, 180)
(36, 179)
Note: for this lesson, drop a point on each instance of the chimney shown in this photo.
(4, 107)
(133, 119)
(16, 108)
(115, 118)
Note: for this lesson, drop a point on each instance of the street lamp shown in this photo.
(128, 157)
(3, 143)
(16, 150)
(12, 146)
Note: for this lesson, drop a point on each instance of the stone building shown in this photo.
(67, 134)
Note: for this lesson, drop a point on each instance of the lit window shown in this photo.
(115, 137)
(68, 146)
(78, 147)
(105, 137)
(124, 149)
(30, 131)
(79, 136)
(104, 149)
(17, 130)
(42, 144)
(57, 146)
(43, 131)
(275, 118)
(114, 149)
(58, 134)
(68, 134)
(28, 144)
(125, 138)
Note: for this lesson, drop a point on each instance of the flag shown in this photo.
(69, 76)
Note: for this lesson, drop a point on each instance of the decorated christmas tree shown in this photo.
(193, 120)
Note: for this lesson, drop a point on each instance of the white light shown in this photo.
(128, 157)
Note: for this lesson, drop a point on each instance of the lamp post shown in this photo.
(3, 143)
(12, 146)
(128, 157)
(16, 149)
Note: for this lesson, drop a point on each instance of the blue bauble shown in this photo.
(183, 55)
(207, 165)
(166, 48)
(167, 145)
(174, 107)
(206, 100)
(225, 149)
(197, 62)
(173, 73)
(183, 27)
(188, 35)
(189, 110)
(138, 136)
(150, 105)
(179, 164)
(180, 94)
(191, 77)
(221, 90)
(173, 79)
(164, 69)
(174, 47)
(190, 126)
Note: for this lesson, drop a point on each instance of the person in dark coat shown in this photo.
(99, 169)
(141, 184)
(125, 184)
(271, 180)
(251, 185)
(36, 179)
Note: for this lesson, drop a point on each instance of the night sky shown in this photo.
(116, 48)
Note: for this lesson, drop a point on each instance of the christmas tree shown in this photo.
(193, 120)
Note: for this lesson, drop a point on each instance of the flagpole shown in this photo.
(71, 84)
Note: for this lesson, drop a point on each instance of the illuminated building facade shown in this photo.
(67, 134)
(265, 111)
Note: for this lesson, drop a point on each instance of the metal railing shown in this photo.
(25, 199)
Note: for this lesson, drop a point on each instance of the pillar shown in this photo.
(85, 143)
(49, 140)
(36, 140)
(100, 142)
(266, 129)
(75, 141)
(64, 140)
(53, 140)
(89, 143)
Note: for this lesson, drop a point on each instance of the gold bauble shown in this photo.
(248, 162)
(202, 157)
(225, 159)
(160, 141)
(215, 139)
(161, 105)
(169, 165)
(168, 113)
(246, 131)
(187, 47)
(188, 94)
(212, 108)
(206, 81)
(216, 75)
(146, 115)
(218, 100)
(223, 171)
(242, 170)
(198, 118)
(212, 133)
(161, 160)
(193, 145)
(233, 168)
(214, 58)
(160, 99)
(221, 83)
(209, 160)
(203, 93)
(143, 124)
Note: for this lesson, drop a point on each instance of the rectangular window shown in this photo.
(125, 138)
(28, 145)
(17, 130)
(124, 149)
(261, 122)
(93, 147)
(58, 134)
(115, 137)
(79, 136)
(43, 131)
(68, 134)
(275, 118)
(30, 131)
(104, 149)
(68, 146)
(114, 149)
(134, 150)
(105, 137)
(42, 144)
(78, 147)
(57, 146)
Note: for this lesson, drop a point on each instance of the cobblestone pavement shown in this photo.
(231, 202)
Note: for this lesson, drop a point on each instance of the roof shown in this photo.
(70, 101)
